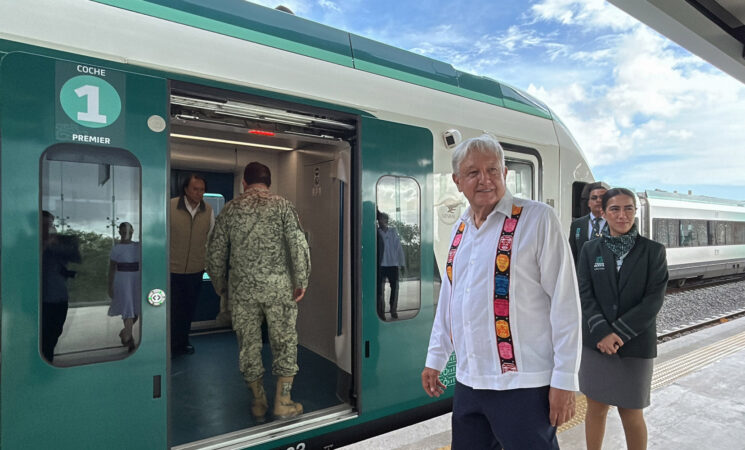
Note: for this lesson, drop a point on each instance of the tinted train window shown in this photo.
(726, 233)
(398, 248)
(739, 233)
(693, 233)
(90, 262)
(666, 232)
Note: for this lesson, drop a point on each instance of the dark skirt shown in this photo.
(616, 381)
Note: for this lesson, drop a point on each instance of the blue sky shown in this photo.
(647, 113)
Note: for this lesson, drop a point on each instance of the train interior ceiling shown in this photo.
(216, 134)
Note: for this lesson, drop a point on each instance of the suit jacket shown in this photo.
(578, 235)
(625, 302)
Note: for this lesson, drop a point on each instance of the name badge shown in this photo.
(599, 264)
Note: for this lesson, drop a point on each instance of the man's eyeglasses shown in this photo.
(596, 197)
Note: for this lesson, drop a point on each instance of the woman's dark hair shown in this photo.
(255, 172)
(187, 180)
(610, 193)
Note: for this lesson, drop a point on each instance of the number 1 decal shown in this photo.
(90, 101)
(92, 113)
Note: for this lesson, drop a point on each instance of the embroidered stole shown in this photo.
(505, 346)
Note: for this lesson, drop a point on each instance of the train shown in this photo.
(106, 106)
(704, 236)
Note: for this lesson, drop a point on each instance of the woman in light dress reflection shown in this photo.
(124, 283)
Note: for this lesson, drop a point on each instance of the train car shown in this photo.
(105, 106)
(704, 236)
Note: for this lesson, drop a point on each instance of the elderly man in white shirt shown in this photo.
(509, 309)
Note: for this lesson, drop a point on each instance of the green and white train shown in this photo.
(105, 106)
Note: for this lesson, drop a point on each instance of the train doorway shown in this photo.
(216, 133)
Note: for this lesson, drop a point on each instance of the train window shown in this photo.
(739, 232)
(90, 262)
(721, 233)
(726, 233)
(398, 248)
(666, 232)
(520, 178)
(693, 233)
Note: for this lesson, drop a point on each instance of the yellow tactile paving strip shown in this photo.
(667, 372)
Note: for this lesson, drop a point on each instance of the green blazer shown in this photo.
(625, 302)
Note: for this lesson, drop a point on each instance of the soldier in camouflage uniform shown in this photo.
(258, 256)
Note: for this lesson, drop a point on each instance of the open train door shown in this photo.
(84, 148)
(396, 166)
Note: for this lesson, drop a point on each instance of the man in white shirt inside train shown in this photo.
(509, 309)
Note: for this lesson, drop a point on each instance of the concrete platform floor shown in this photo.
(698, 401)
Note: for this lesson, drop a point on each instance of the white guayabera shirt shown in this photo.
(544, 306)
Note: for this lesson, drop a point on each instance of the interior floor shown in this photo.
(208, 396)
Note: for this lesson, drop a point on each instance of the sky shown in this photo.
(646, 112)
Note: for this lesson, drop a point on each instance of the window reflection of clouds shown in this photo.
(407, 199)
(84, 199)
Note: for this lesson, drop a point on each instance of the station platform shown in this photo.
(698, 401)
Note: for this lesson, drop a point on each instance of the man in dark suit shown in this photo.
(592, 225)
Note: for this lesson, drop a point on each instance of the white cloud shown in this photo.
(661, 117)
(518, 38)
(587, 13)
(328, 4)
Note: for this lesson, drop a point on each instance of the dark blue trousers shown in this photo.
(184, 295)
(515, 419)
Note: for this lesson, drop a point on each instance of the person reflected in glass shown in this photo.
(124, 283)
(622, 280)
(390, 258)
(57, 252)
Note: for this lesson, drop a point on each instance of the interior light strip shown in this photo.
(245, 110)
(227, 141)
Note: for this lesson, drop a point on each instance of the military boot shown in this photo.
(259, 405)
(284, 407)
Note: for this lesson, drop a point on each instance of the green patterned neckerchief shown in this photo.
(621, 245)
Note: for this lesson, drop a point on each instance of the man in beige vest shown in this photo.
(192, 220)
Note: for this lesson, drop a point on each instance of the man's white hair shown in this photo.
(485, 143)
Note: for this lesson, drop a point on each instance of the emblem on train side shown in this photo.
(449, 210)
